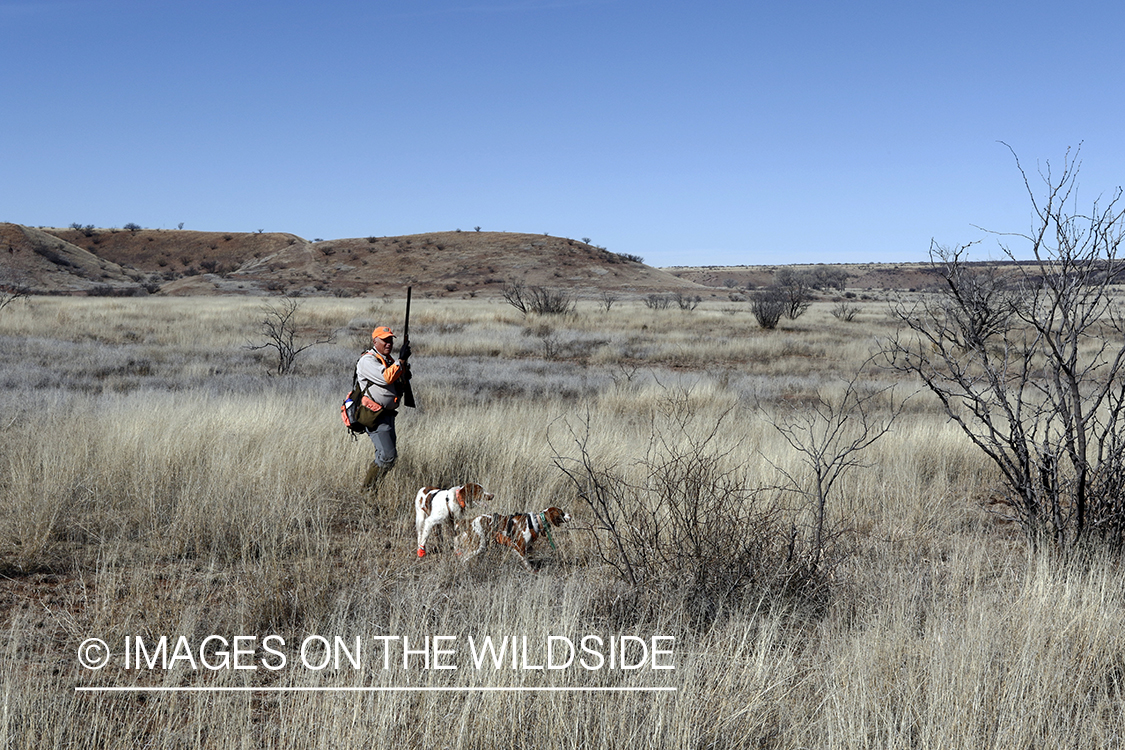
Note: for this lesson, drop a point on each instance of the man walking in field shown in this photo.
(385, 381)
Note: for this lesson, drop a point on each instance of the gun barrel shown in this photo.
(408, 390)
(406, 322)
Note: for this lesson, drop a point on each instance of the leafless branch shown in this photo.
(283, 336)
(1030, 362)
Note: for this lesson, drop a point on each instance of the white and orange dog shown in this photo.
(518, 531)
(434, 506)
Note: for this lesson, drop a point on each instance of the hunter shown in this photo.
(388, 380)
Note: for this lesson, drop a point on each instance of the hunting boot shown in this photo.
(375, 472)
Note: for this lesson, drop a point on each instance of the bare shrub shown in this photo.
(548, 337)
(551, 301)
(797, 301)
(10, 292)
(818, 277)
(831, 434)
(768, 305)
(845, 311)
(824, 277)
(537, 299)
(796, 289)
(1030, 364)
(657, 301)
(684, 519)
(280, 328)
(687, 302)
(515, 294)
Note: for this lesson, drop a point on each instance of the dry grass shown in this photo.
(156, 481)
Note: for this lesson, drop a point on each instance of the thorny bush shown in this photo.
(685, 519)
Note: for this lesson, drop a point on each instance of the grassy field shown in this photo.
(157, 481)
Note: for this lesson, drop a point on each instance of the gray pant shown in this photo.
(383, 438)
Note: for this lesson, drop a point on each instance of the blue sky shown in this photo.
(689, 133)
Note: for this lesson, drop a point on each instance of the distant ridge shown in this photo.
(444, 264)
(158, 261)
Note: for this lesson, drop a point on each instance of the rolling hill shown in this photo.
(86, 260)
(122, 261)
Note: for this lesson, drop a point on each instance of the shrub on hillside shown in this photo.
(537, 299)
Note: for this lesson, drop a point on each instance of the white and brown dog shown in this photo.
(518, 531)
(434, 506)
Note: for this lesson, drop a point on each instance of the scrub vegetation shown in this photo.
(158, 480)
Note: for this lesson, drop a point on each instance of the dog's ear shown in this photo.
(459, 496)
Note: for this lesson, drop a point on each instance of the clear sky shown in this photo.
(689, 133)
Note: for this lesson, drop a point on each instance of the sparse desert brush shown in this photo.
(157, 481)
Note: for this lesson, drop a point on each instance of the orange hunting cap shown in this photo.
(382, 332)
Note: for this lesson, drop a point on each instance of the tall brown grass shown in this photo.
(157, 481)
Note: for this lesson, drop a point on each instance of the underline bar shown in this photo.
(298, 689)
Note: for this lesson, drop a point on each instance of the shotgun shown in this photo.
(407, 389)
